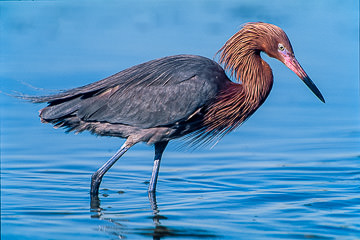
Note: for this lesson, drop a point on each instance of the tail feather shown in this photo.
(43, 99)
(61, 110)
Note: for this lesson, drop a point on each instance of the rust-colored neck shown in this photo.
(240, 57)
(257, 80)
(238, 101)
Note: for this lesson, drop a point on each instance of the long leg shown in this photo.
(159, 149)
(98, 175)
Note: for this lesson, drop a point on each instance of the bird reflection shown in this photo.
(157, 232)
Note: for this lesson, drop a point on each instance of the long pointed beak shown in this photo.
(293, 64)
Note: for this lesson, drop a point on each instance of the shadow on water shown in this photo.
(158, 231)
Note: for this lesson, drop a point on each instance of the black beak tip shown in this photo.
(316, 91)
(313, 88)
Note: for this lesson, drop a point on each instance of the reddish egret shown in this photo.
(174, 96)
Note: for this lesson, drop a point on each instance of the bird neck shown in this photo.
(256, 78)
(240, 56)
(238, 101)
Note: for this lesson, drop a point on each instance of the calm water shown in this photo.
(291, 172)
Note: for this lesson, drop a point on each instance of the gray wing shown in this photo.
(157, 93)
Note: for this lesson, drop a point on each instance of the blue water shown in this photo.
(291, 172)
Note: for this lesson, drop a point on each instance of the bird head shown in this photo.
(257, 37)
(275, 43)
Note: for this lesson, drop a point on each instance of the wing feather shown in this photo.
(157, 93)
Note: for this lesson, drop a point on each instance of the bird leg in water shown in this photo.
(159, 149)
(98, 175)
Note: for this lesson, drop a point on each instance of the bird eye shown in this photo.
(281, 47)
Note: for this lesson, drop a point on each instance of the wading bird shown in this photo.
(175, 96)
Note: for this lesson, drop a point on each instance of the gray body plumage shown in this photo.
(155, 101)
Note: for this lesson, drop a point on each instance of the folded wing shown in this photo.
(156, 93)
